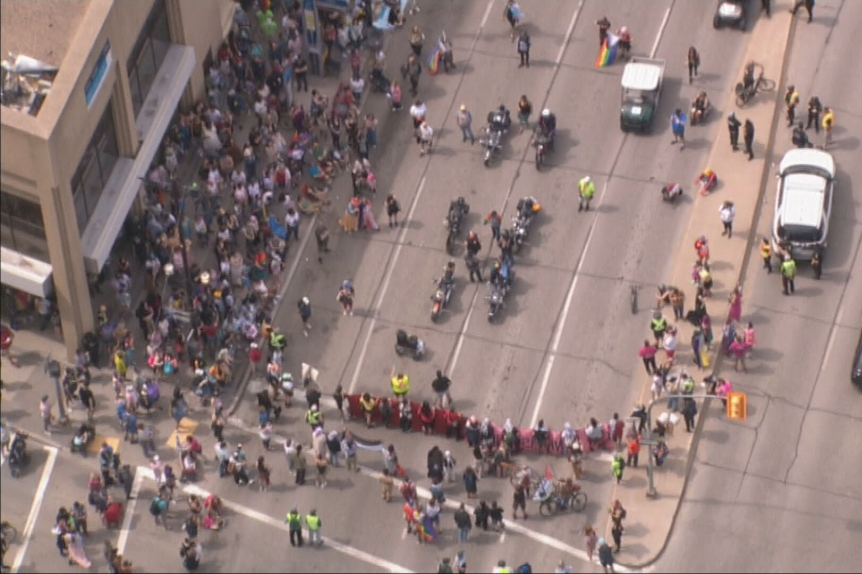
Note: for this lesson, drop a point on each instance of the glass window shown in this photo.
(94, 169)
(21, 226)
(148, 54)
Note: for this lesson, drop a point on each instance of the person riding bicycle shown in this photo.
(699, 107)
(748, 77)
(548, 127)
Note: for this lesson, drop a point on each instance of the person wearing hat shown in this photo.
(314, 417)
(465, 120)
(294, 524)
(586, 191)
(606, 556)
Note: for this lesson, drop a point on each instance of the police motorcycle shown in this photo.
(499, 286)
(445, 286)
(491, 137)
(543, 136)
(18, 456)
(528, 207)
(458, 208)
(408, 344)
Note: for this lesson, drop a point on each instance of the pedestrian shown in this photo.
(45, 411)
(465, 120)
(471, 482)
(604, 25)
(496, 221)
(445, 566)
(618, 514)
(735, 300)
(386, 483)
(495, 513)
(733, 125)
(827, 123)
(417, 38)
(301, 464)
(807, 4)
(727, 212)
(449, 464)
(392, 209)
(146, 439)
(633, 449)
(815, 108)
(322, 465)
(677, 124)
(765, 5)
(748, 137)
(512, 14)
(460, 562)
(294, 525)
(693, 61)
(265, 433)
(738, 349)
(481, 513)
(519, 500)
(590, 541)
(606, 556)
(7, 336)
(291, 222)
(816, 264)
(617, 467)
(440, 385)
(158, 507)
(586, 191)
(345, 297)
(788, 274)
(677, 303)
(791, 100)
(689, 411)
(766, 254)
(524, 44)
(474, 266)
(303, 307)
(412, 69)
(463, 522)
(426, 137)
(314, 524)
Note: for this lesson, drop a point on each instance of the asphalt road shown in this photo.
(570, 303)
(781, 492)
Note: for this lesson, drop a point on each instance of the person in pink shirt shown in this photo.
(736, 304)
(750, 338)
(647, 355)
(738, 348)
(723, 389)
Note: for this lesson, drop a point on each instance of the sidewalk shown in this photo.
(650, 520)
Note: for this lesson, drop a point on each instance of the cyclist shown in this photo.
(748, 77)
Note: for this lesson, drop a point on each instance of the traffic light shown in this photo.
(737, 406)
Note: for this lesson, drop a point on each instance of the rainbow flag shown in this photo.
(434, 61)
(608, 52)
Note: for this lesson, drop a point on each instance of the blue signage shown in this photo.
(97, 76)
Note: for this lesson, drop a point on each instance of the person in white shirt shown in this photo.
(727, 212)
(357, 86)
(426, 134)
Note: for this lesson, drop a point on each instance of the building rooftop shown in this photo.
(35, 33)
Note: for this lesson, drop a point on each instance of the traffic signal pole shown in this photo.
(651, 491)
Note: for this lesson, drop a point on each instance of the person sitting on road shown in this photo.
(800, 138)
(699, 107)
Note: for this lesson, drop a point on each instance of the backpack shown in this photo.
(155, 507)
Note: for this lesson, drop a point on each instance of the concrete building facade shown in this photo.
(74, 151)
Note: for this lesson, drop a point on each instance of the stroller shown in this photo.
(379, 82)
(409, 344)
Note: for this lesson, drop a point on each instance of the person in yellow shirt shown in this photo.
(400, 385)
(791, 100)
(827, 123)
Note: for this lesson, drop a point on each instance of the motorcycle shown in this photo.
(498, 289)
(18, 455)
(528, 207)
(445, 286)
(409, 345)
(457, 210)
(541, 142)
(491, 137)
(670, 192)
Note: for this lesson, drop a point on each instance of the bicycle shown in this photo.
(744, 95)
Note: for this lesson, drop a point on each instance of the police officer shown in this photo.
(313, 522)
(733, 127)
(314, 417)
(400, 385)
(294, 524)
(277, 341)
(658, 325)
(586, 191)
(814, 109)
(788, 274)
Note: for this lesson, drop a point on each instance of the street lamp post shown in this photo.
(651, 491)
(54, 370)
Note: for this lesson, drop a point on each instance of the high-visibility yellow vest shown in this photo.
(313, 521)
(587, 188)
(400, 385)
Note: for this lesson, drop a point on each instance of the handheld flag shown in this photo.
(608, 51)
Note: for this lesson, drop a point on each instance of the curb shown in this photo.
(718, 357)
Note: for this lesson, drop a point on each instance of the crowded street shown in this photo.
(269, 296)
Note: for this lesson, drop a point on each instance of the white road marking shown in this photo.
(660, 32)
(487, 13)
(275, 523)
(561, 320)
(569, 33)
(130, 507)
(462, 334)
(387, 277)
(36, 506)
(293, 267)
(502, 538)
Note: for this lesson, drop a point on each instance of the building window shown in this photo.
(148, 54)
(95, 168)
(21, 226)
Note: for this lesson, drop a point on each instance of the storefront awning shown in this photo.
(125, 181)
(25, 273)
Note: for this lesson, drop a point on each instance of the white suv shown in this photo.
(806, 182)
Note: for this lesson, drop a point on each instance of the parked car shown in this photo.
(731, 13)
(806, 184)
